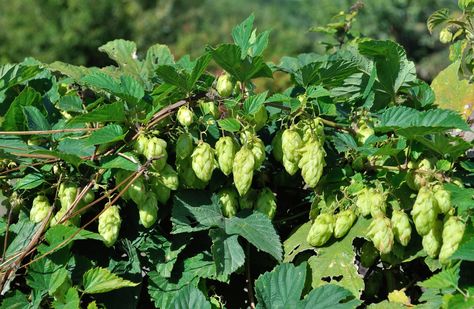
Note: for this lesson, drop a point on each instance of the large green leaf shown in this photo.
(296, 242)
(195, 211)
(241, 35)
(163, 290)
(124, 53)
(257, 229)
(107, 112)
(35, 120)
(325, 265)
(227, 252)
(190, 297)
(101, 280)
(282, 287)
(411, 122)
(16, 300)
(15, 118)
(446, 279)
(14, 74)
(107, 134)
(393, 68)
(71, 300)
(228, 57)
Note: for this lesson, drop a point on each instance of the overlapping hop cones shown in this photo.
(381, 234)
(321, 230)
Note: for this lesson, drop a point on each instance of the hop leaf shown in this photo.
(432, 241)
(109, 225)
(185, 116)
(229, 202)
(242, 169)
(203, 162)
(148, 210)
(425, 211)
(291, 144)
(184, 146)
(226, 148)
(321, 230)
(453, 231)
(344, 221)
(401, 227)
(266, 203)
(40, 209)
(381, 234)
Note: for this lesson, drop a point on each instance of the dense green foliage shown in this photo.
(154, 182)
(72, 30)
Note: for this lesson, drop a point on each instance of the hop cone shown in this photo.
(443, 199)
(344, 221)
(312, 162)
(141, 144)
(137, 190)
(185, 116)
(266, 203)
(148, 210)
(242, 169)
(67, 194)
(184, 146)
(312, 129)
(381, 234)
(433, 240)
(248, 200)
(156, 149)
(364, 132)
(291, 143)
(425, 211)
(169, 177)
(203, 162)
(260, 118)
(258, 150)
(321, 230)
(186, 174)
(228, 199)
(363, 202)
(401, 227)
(277, 149)
(225, 151)
(453, 231)
(225, 85)
(162, 192)
(40, 209)
(209, 108)
(378, 203)
(109, 225)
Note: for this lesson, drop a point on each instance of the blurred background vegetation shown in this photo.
(72, 30)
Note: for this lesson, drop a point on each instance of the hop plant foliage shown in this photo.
(360, 152)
